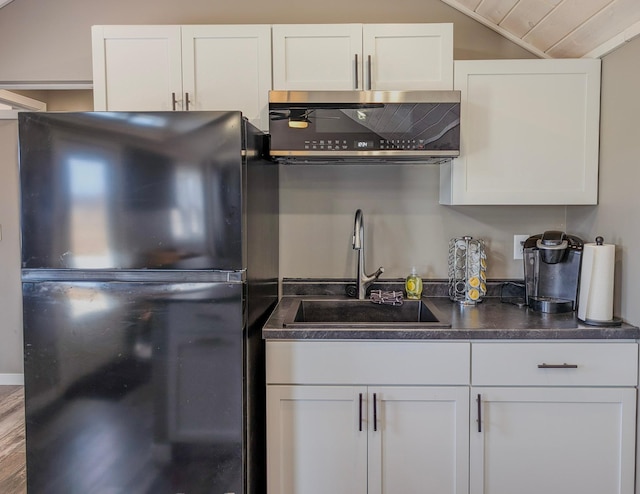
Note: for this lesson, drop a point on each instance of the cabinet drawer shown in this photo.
(554, 364)
(367, 362)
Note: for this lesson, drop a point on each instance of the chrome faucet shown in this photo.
(362, 279)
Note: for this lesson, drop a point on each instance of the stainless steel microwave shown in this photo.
(312, 126)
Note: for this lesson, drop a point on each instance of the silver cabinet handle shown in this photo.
(186, 101)
(173, 101)
(557, 366)
(356, 66)
(369, 70)
(360, 413)
(479, 400)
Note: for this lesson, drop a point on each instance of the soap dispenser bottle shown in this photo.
(413, 285)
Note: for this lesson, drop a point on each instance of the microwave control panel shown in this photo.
(363, 144)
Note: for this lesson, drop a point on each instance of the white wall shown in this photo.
(617, 216)
(404, 224)
(10, 294)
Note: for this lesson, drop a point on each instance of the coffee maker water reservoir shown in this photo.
(552, 271)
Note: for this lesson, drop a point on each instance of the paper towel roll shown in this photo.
(596, 283)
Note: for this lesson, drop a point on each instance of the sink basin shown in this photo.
(341, 313)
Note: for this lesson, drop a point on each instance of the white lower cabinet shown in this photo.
(375, 417)
(364, 438)
(314, 445)
(359, 439)
(553, 418)
(418, 442)
(552, 440)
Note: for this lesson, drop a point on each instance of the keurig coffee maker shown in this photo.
(552, 271)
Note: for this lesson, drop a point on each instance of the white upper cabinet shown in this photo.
(408, 56)
(136, 68)
(529, 133)
(228, 68)
(199, 67)
(362, 56)
(317, 56)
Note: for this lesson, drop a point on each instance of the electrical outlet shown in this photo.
(518, 245)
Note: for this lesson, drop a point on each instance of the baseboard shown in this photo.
(11, 379)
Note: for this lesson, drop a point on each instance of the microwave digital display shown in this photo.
(363, 144)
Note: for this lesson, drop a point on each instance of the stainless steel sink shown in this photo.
(352, 313)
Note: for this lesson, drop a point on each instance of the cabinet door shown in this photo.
(529, 133)
(316, 442)
(408, 56)
(553, 440)
(418, 440)
(136, 68)
(228, 68)
(317, 56)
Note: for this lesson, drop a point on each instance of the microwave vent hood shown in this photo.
(364, 126)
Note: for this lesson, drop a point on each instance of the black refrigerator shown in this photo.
(149, 264)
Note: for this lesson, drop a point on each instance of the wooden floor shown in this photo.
(12, 451)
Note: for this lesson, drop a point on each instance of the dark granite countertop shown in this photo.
(494, 318)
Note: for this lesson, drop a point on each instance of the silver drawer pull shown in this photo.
(557, 366)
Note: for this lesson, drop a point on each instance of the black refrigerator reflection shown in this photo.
(149, 265)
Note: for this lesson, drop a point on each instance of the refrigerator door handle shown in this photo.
(159, 275)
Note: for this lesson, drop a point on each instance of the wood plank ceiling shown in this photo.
(559, 28)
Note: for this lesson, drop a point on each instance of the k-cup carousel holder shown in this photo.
(467, 270)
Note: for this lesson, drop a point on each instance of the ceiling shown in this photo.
(558, 28)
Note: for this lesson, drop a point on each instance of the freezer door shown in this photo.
(116, 190)
(134, 387)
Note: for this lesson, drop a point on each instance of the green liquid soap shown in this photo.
(413, 285)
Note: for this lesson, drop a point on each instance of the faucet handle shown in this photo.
(373, 277)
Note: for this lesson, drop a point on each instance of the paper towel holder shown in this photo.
(614, 321)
